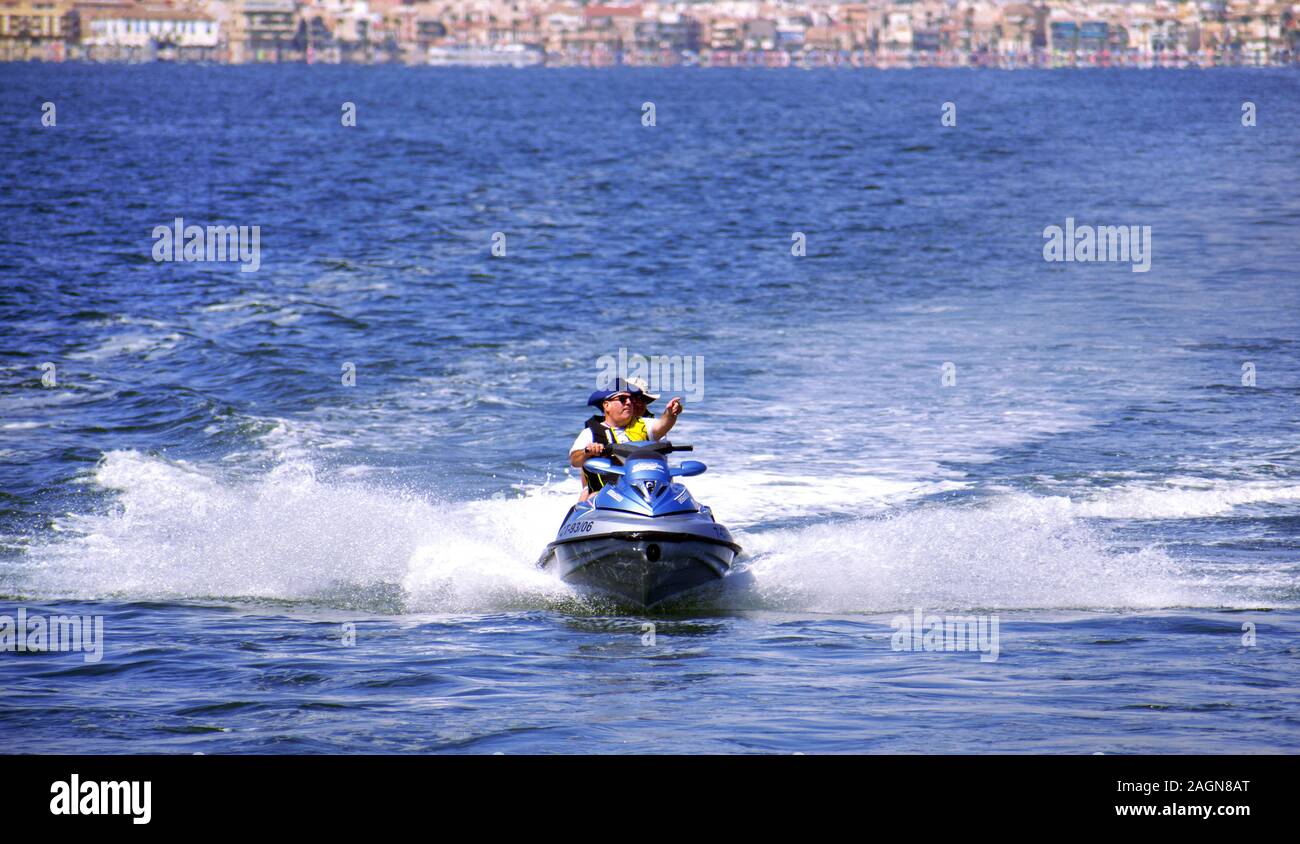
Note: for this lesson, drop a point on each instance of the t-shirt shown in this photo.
(620, 435)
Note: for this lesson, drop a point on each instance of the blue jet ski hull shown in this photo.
(642, 539)
(642, 567)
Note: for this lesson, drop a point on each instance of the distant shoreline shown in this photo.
(1180, 64)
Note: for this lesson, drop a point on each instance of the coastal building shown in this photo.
(1062, 32)
(265, 31)
(790, 32)
(332, 31)
(724, 33)
(668, 36)
(131, 31)
(429, 31)
(35, 29)
(1024, 29)
(896, 37)
(773, 33)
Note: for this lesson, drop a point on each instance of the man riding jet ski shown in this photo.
(639, 535)
(624, 420)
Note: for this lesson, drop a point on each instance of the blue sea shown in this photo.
(306, 502)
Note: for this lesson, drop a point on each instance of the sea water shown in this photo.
(306, 502)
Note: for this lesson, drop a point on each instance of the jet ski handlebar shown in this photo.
(661, 447)
(613, 456)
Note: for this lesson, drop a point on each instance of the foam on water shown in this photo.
(1185, 498)
(752, 497)
(129, 344)
(181, 531)
(1017, 552)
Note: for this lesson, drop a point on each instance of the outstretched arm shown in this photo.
(665, 423)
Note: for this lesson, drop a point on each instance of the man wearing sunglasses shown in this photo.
(621, 423)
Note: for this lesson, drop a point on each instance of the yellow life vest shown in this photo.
(638, 431)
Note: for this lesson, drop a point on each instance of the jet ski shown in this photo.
(643, 538)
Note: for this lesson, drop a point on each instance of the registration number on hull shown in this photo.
(576, 527)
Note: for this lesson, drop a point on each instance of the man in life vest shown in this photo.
(621, 423)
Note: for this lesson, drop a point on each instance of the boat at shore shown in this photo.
(505, 55)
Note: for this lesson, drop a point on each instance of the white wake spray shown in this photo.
(184, 531)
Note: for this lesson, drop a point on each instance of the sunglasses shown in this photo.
(621, 399)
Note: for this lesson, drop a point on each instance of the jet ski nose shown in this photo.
(650, 479)
(651, 490)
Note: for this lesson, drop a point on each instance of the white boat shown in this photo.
(505, 55)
